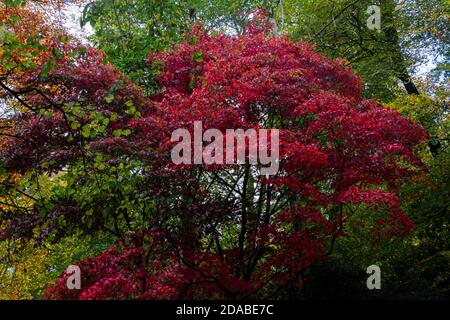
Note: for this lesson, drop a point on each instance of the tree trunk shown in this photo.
(393, 41)
(407, 82)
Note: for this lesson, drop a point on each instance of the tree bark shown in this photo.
(408, 83)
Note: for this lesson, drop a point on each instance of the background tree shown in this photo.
(412, 32)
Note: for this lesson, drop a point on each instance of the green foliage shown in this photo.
(128, 30)
(411, 33)
(26, 270)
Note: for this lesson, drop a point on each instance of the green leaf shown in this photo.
(117, 133)
(75, 125)
(86, 131)
(109, 98)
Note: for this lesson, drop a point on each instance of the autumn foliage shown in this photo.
(217, 231)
